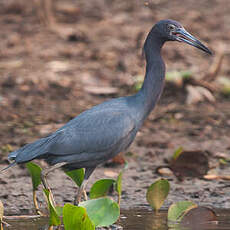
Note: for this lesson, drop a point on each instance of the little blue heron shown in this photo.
(100, 133)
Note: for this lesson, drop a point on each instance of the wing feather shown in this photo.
(96, 132)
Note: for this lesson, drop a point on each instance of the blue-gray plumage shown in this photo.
(103, 131)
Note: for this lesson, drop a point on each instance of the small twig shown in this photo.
(203, 83)
(39, 11)
(45, 12)
(212, 74)
(216, 177)
(48, 7)
(21, 217)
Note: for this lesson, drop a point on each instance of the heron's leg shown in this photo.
(44, 174)
(85, 195)
(81, 190)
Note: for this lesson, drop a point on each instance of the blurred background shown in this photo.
(60, 57)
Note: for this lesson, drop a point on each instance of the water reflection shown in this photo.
(143, 219)
(135, 219)
(28, 224)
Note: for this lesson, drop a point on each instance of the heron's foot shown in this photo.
(81, 191)
(78, 198)
(37, 210)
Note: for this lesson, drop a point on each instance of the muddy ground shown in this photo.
(48, 75)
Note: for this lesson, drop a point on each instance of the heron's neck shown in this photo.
(154, 77)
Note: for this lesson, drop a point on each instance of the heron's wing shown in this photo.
(93, 131)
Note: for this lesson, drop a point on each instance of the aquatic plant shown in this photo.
(157, 193)
(97, 212)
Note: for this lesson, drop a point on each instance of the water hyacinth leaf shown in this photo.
(54, 219)
(178, 210)
(35, 173)
(76, 218)
(199, 216)
(119, 186)
(157, 193)
(177, 153)
(59, 210)
(119, 183)
(100, 188)
(102, 211)
(77, 175)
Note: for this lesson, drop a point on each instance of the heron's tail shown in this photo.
(11, 157)
(34, 150)
(30, 151)
(26, 153)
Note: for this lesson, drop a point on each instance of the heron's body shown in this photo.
(103, 131)
(91, 138)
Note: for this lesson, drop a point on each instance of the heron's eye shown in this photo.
(171, 27)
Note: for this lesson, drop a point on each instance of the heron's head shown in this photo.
(170, 30)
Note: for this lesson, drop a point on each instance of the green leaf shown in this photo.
(54, 219)
(77, 175)
(1, 211)
(35, 173)
(119, 183)
(186, 74)
(76, 218)
(176, 76)
(223, 161)
(102, 211)
(59, 210)
(178, 210)
(138, 82)
(177, 153)
(225, 85)
(157, 193)
(100, 188)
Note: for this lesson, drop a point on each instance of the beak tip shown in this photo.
(211, 53)
(207, 50)
(191, 40)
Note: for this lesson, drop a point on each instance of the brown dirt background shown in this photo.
(45, 77)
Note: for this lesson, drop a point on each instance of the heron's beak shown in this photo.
(183, 36)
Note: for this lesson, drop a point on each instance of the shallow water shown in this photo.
(134, 219)
(143, 219)
(28, 224)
